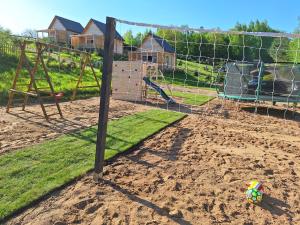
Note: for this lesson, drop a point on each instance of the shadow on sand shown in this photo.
(147, 203)
(275, 206)
(274, 112)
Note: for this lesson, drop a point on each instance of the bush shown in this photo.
(5, 36)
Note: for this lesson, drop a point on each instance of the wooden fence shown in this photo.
(8, 49)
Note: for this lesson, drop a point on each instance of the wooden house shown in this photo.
(92, 38)
(61, 29)
(155, 49)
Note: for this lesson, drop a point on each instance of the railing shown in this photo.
(86, 46)
(8, 49)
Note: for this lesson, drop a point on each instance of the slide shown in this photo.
(159, 90)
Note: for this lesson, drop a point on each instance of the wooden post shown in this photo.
(19, 68)
(85, 61)
(105, 95)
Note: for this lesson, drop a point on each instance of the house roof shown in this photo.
(70, 25)
(163, 43)
(101, 26)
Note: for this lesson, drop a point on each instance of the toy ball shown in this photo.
(257, 185)
(254, 195)
(254, 192)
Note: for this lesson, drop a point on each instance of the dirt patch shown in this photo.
(194, 172)
(23, 128)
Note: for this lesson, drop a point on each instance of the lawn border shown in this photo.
(74, 180)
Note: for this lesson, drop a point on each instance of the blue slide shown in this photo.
(159, 90)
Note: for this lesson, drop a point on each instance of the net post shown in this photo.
(104, 96)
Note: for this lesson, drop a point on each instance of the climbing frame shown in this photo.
(86, 61)
(127, 80)
(32, 88)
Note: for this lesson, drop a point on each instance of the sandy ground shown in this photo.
(23, 128)
(194, 172)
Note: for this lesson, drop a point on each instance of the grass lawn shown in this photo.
(32, 172)
(186, 75)
(187, 97)
(194, 66)
(188, 80)
(191, 98)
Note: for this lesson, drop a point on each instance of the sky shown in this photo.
(18, 15)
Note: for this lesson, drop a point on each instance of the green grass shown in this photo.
(194, 66)
(187, 97)
(182, 79)
(191, 98)
(186, 75)
(63, 77)
(32, 172)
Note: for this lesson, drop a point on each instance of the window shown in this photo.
(90, 41)
(154, 59)
(149, 58)
(167, 60)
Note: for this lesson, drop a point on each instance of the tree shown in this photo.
(29, 33)
(294, 50)
(129, 39)
(259, 47)
(297, 29)
(294, 46)
(206, 46)
(279, 50)
(136, 40)
(5, 36)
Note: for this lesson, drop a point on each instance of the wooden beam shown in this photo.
(49, 45)
(105, 96)
(19, 68)
(85, 61)
(94, 73)
(50, 86)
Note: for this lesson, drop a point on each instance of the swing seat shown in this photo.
(58, 96)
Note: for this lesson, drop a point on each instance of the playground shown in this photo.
(186, 174)
(170, 131)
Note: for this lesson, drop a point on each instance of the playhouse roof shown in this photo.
(101, 26)
(70, 25)
(163, 43)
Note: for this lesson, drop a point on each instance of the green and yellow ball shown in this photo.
(254, 195)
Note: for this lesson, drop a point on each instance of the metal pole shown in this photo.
(105, 94)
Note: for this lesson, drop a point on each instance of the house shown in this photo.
(92, 38)
(155, 49)
(61, 29)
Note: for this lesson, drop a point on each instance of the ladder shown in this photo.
(86, 62)
(32, 88)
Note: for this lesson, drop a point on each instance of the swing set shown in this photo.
(40, 85)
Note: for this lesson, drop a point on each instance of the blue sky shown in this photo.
(17, 15)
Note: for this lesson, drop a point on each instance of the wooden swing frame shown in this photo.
(32, 88)
(86, 58)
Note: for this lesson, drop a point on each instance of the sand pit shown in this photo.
(194, 172)
(23, 128)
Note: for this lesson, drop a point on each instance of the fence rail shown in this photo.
(8, 49)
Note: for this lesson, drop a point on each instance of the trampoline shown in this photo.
(260, 82)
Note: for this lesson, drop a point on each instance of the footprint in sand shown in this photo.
(93, 208)
(268, 172)
(82, 204)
